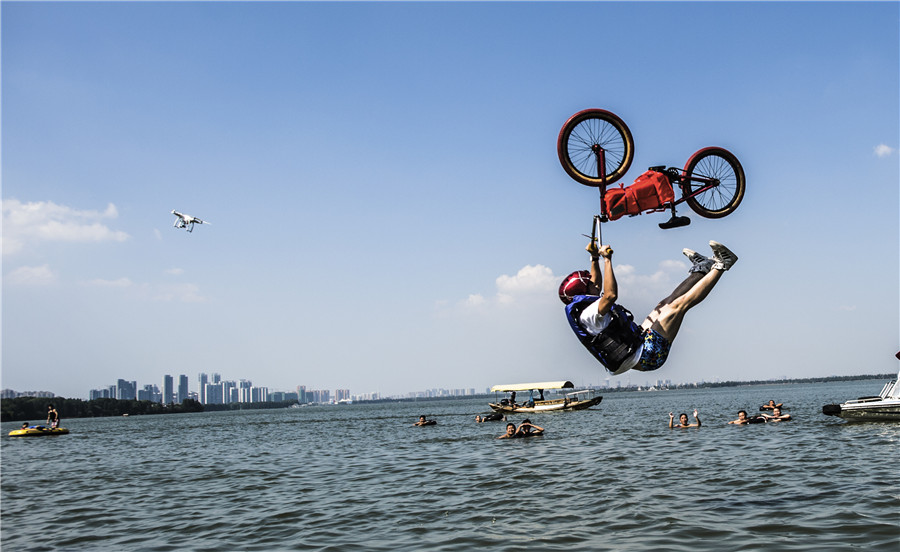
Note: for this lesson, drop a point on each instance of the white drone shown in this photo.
(187, 221)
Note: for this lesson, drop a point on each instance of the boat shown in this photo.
(34, 431)
(885, 407)
(575, 400)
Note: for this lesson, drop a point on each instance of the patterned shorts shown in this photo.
(656, 350)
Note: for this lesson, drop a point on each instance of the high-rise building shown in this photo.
(301, 394)
(341, 395)
(203, 381)
(244, 387)
(125, 390)
(229, 395)
(168, 390)
(213, 393)
(259, 394)
(182, 389)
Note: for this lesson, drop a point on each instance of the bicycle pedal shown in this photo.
(675, 222)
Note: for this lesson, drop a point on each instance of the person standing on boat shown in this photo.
(608, 330)
(683, 420)
(52, 416)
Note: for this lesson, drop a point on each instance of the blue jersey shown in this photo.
(617, 342)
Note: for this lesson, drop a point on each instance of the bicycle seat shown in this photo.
(675, 222)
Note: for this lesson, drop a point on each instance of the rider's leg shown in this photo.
(700, 266)
(666, 318)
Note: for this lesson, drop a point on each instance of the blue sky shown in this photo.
(388, 210)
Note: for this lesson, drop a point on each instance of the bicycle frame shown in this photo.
(676, 176)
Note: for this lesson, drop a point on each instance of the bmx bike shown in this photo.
(596, 148)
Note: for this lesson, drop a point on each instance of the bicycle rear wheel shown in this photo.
(721, 165)
(581, 137)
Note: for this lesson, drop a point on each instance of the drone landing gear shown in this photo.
(675, 221)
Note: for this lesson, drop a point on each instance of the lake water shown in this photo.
(361, 477)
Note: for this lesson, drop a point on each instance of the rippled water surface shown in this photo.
(362, 477)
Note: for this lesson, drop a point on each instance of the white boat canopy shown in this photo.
(530, 386)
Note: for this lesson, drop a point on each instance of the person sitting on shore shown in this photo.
(771, 406)
(683, 420)
(776, 416)
(423, 422)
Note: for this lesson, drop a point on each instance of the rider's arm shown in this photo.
(610, 287)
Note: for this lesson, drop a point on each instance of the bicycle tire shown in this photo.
(586, 130)
(721, 164)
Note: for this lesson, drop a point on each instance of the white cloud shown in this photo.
(31, 275)
(120, 283)
(475, 300)
(175, 271)
(535, 284)
(184, 293)
(530, 279)
(35, 222)
(884, 150)
(177, 293)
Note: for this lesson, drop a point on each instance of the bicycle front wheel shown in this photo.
(724, 170)
(581, 138)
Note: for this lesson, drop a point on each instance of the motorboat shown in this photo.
(574, 400)
(36, 431)
(884, 407)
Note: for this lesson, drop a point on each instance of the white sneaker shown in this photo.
(724, 258)
(699, 262)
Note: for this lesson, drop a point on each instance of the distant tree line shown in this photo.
(826, 379)
(34, 409)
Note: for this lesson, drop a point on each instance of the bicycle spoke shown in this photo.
(720, 199)
(593, 132)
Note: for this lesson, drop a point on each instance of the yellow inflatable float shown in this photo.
(37, 430)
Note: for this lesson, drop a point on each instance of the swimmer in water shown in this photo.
(776, 416)
(528, 429)
(683, 420)
(510, 431)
